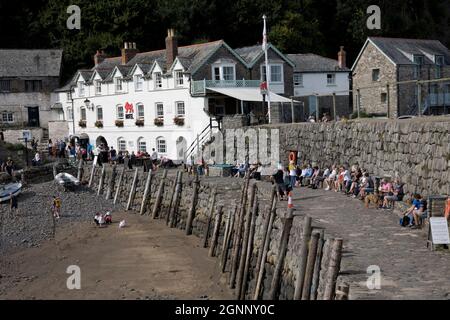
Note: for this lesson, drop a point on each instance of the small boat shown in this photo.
(7, 190)
(66, 180)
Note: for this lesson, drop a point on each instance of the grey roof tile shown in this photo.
(30, 63)
(310, 62)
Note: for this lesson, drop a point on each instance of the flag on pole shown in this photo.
(264, 42)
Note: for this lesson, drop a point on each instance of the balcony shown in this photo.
(198, 88)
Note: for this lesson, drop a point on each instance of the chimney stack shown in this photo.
(129, 51)
(342, 58)
(99, 57)
(171, 47)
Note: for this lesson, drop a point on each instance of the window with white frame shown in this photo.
(142, 145)
(224, 72)
(158, 80)
(118, 84)
(180, 110)
(80, 89)
(121, 144)
(99, 113)
(178, 78)
(161, 145)
(331, 79)
(69, 113)
(98, 87)
(138, 82)
(83, 113)
(276, 73)
(159, 110)
(120, 113)
(298, 79)
(7, 117)
(140, 111)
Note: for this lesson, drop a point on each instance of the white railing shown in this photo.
(199, 87)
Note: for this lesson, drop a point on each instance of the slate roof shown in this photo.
(400, 51)
(30, 63)
(310, 62)
(249, 54)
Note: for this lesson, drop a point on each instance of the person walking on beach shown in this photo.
(56, 207)
(12, 203)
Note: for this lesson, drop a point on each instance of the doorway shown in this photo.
(33, 116)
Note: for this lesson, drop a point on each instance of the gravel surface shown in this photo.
(32, 223)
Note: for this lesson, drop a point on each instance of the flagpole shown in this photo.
(267, 67)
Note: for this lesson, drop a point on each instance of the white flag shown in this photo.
(264, 43)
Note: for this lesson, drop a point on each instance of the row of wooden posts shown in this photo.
(318, 259)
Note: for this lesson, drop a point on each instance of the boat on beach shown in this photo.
(66, 180)
(7, 190)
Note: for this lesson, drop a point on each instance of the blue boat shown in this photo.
(7, 190)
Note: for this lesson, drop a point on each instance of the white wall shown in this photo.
(316, 83)
(195, 118)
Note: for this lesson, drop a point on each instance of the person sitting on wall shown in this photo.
(366, 186)
(416, 212)
(397, 195)
(36, 160)
(331, 178)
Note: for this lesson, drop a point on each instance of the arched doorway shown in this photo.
(101, 140)
(181, 148)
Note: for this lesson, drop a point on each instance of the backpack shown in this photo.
(404, 221)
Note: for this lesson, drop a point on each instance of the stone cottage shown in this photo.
(386, 72)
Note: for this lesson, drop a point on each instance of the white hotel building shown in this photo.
(163, 99)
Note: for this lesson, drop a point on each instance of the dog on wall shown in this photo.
(372, 198)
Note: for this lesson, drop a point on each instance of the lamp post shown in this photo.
(73, 109)
(87, 103)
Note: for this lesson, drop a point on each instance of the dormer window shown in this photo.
(178, 78)
(224, 72)
(138, 82)
(418, 59)
(80, 89)
(118, 84)
(98, 87)
(440, 61)
(158, 80)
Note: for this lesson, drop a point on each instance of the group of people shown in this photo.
(102, 220)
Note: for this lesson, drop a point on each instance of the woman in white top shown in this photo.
(330, 180)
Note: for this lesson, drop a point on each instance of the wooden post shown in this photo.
(324, 267)
(284, 241)
(119, 185)
(333, 270)
(237, 234)
(312, 253)
(92, 175)
(315, 280)
(191, 213)
(249, 251)
(210, 214)
(215, 236)
(148, 185)
(334, 106)
(111, 183)
(172, 195)
(227, 237)
(102, 180)
(132, 190)
(266, 243)
(159, 196)
(342, 291)
(176, 200)
(245, 240)
(80, 170)
(306, 236)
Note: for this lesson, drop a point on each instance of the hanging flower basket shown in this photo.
(139, 123)
(159, 122)
(119, 123)
(179, 121)
(82, 123)
(99, 124)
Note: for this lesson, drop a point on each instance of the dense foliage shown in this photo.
(319, 26)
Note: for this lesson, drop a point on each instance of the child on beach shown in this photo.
(56, 207)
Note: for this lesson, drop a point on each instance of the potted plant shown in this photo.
(119, 123)
(82, 123)
(179, 121)
(139, 122)
(99, 124)
(159, 122)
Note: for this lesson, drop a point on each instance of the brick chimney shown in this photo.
(99, 57)
(129, 50)
(171, 47)
(342, 58)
